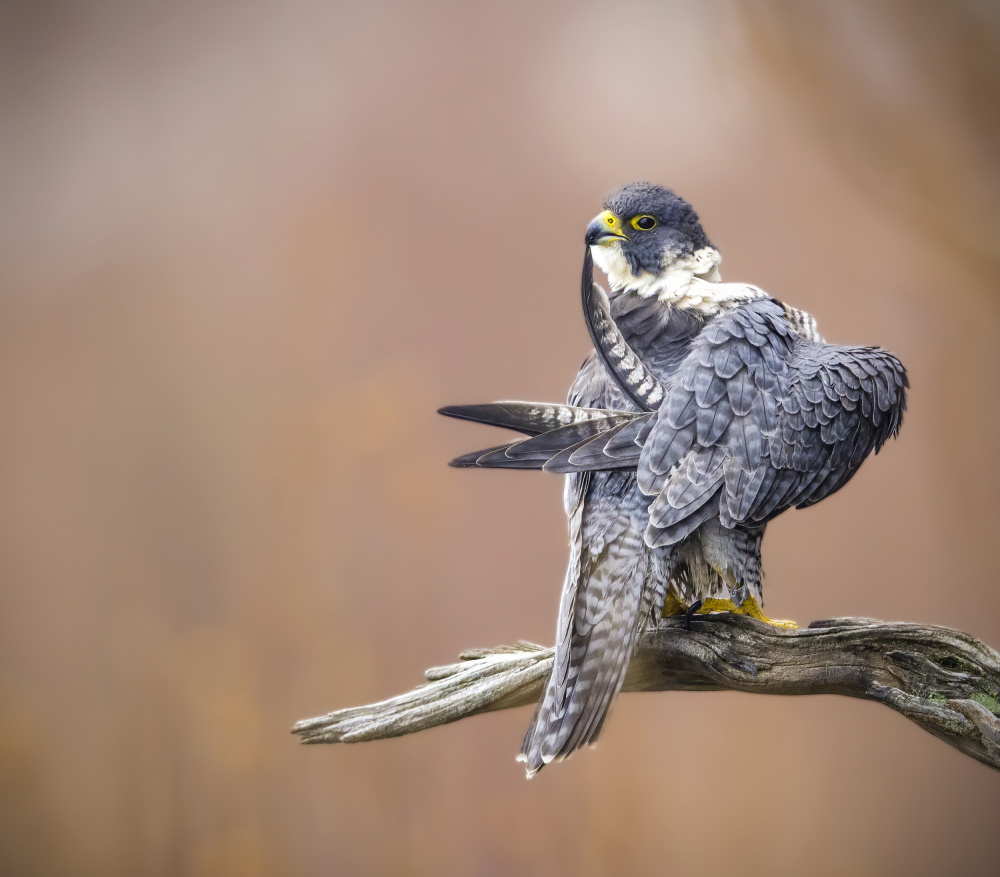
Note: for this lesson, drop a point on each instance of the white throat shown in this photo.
(691, 283)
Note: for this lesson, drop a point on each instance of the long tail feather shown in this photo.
(572, 710)
(530, 418)
(609, 592)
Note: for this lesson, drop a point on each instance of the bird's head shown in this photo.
(644, 232)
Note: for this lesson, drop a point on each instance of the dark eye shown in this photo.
(644, 222)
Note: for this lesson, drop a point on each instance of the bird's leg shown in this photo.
(750, 607)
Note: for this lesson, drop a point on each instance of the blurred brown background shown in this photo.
(247, 249)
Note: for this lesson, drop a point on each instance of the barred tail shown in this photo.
(603, 610)
(583, 685)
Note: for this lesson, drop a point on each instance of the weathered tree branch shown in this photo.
(945, 681)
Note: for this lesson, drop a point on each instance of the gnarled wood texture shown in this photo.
(944, 680)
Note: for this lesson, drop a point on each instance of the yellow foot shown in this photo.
(673, 606)
(750, 607)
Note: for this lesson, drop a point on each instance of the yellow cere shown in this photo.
(613, 223)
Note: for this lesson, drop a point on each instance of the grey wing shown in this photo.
(757, 419)
(843, 403)
(578, 447)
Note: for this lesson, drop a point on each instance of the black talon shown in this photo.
(694, 607)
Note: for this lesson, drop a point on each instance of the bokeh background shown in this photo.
(247, 249)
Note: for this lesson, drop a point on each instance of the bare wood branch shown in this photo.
(944, 680)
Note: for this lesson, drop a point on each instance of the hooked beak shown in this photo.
(605, 229)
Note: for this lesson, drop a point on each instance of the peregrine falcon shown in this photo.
(707, 409)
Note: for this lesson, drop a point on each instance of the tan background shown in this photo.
(247, 250)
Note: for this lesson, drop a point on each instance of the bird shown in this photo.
(706, 410)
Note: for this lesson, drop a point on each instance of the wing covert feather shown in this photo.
(777, 419)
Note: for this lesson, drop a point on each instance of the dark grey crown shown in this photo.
(678, 232)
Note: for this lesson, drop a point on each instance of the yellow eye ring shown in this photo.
(644, 222)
